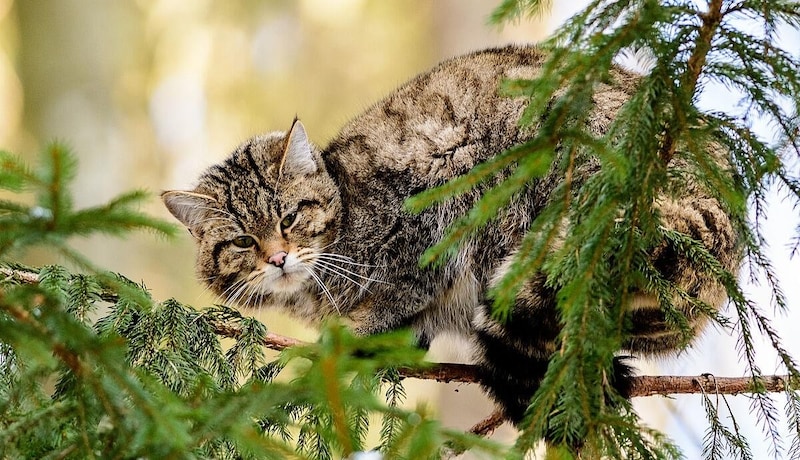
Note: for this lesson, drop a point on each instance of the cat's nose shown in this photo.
(278, 259)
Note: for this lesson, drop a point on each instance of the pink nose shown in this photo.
(278, 259)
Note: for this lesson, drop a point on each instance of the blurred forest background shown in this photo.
(150, 92)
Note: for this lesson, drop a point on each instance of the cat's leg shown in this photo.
(702, 218)
(512, 356)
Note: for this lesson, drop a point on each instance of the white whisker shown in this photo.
(243, 293)
(328, 264)
(218, 227)
(329, 245)
(242, 286)
(233, 285)
(226, 219)
(254, 291)
(206, 283)
(323, 287)
(253, 275)
(343, 259)
(224, 295)
(342, 275)
(230, 299)
(260, 298)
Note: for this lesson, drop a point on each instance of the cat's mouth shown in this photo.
(255, 289)
(288, 281)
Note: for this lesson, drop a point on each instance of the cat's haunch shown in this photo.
(321, 232)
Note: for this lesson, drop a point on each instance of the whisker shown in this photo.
(224, 295)
(344, 259)
(342, 269)
(323, 287)
(242, 293)
(338, 270)
(254, 291)
(253, 275)
(226, 219)
(230, 299)
(226, 226)
(335, 255)
(233, 285)
(342, 275)
(237, 293)
(226, 216)
(220, 210)
(330, 244)
(206, 283)
(261, 294)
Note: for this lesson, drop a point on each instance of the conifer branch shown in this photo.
(711, 22)
(69, 358)
(641, 386)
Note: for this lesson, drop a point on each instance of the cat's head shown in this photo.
(260, 218)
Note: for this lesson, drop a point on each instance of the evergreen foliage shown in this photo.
(92, 367)
(51, 220)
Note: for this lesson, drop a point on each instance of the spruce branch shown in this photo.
(52, 219)
(712, 19)
(70, 358)
(641, 386)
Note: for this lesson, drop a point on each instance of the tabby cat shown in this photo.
(322, 232)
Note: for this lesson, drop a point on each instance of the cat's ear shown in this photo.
(298, 156)
(188, 207)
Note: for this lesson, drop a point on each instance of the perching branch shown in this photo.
(641, 386)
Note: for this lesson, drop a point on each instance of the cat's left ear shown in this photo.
(188, 207)
(298, 156)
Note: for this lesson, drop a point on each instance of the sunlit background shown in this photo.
(150, 92)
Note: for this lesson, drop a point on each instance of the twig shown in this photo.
(694, 67)
(664, 385)
(487, 426)
(20, 275)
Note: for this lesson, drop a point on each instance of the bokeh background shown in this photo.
(150, 92)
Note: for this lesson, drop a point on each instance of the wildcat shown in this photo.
(323, 232)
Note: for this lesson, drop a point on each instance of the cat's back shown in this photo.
(439, 124)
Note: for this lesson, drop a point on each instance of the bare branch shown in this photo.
(20, 275)
(487, 426)
(647, 385)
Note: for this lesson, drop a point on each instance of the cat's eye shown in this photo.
(244, 241)
(288, 221)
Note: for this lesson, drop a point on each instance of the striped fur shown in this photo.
(322, 232)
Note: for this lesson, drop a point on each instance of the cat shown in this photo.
(324, 232)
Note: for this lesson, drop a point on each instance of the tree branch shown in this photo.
(641, 386)
(487, 426)
(694, 67)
